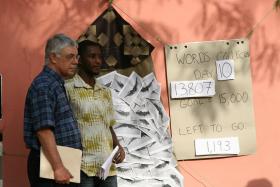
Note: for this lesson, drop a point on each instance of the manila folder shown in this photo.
(71, 159)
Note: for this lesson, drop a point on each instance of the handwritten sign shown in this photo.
(217, 146)
(228, 113)
(199, 88)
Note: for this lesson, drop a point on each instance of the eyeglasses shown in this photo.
(70, 57)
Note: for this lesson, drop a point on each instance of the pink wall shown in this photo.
(26, 24)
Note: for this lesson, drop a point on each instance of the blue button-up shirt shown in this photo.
(47, 106)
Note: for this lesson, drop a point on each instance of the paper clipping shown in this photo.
(142, 130)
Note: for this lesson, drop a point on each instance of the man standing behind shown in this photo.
(48, 118)
(93, 108)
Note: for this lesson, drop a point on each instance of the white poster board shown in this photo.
(216, 118)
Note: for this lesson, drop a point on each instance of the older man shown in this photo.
(48, 118)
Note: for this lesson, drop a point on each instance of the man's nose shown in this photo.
(76, 60)
(99, 61)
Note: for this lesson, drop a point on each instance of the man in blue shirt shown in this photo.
(48, 118)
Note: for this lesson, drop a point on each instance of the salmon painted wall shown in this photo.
(26, 25)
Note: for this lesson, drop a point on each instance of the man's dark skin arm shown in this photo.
(119, 157)
(47, 140)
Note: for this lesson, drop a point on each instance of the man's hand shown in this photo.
(62, 175)
(47, 140)
(120, 155)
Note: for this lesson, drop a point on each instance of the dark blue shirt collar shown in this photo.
(53, 74)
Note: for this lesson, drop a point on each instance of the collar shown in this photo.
(53, 74)
(80, 83)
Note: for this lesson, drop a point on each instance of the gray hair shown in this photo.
(56, 43)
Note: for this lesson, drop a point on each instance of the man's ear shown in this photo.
(53, 58)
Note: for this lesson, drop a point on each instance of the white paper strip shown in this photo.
(196, 88)
(225, 69)
(216, 146)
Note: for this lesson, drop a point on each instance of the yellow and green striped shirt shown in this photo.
(93, 109)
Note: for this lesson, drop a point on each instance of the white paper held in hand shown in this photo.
(105, 168)
(71, 159)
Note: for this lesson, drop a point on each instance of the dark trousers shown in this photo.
(33, 168)
(87, 181)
